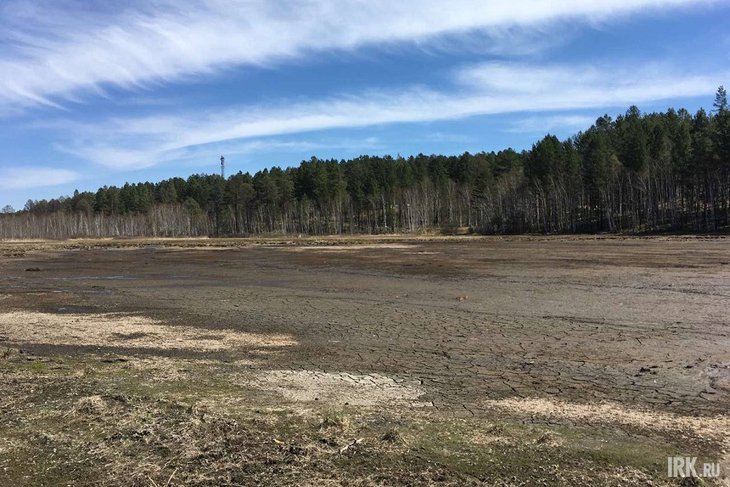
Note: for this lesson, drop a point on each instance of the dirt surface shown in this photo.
(361, 361)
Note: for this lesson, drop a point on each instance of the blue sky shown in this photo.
(97, 93)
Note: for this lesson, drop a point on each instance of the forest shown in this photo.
(639, 172)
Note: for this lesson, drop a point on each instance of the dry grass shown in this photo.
(91, 405)
(127, 331)
(714, 428)
(350, 247)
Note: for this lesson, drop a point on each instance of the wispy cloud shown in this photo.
(54, 51)
(195, 153)
(145, 152)
(483, 89)
(35, 177)
(541, 124)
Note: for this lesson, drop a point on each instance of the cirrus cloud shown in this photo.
(56, 51)
(35, 177)
(480, 89)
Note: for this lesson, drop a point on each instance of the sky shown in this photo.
(96, 93)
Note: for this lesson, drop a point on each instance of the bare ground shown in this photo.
(363, 361)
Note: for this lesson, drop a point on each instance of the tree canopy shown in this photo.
(639, 172)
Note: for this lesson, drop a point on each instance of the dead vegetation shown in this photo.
(103, 438)
(168, 441)
(714, 428)
(18, 248)
(126, 331)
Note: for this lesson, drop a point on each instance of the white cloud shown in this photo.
(543, 124)
(248, 147)
(484, 89)
(34, 177)
(241, 150)
(58, 50)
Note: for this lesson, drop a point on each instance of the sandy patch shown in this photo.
(346, 248)
(339, 388)
(715, 428)
(127, 331)
(198, 247)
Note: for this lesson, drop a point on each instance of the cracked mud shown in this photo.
(633, 333)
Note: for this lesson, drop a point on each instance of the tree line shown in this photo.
(655, 172)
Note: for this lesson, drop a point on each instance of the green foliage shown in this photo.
(192, 206)
(633, 140)
(720, 103)
(544, 161)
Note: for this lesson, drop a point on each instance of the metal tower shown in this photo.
(223, 167)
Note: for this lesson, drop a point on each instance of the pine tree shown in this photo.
(720, 103)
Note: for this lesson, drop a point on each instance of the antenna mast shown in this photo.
(223, 167)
